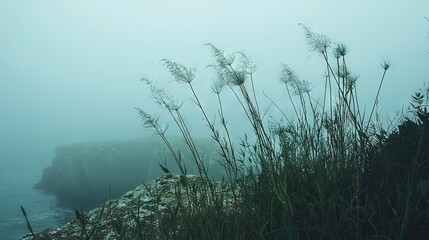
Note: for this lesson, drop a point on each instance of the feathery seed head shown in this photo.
(217, 86)
(246, 64)
(181, 73)
(340, 50)
(161, 97)
(150, 122)
(227, 71)
(319, 43)
(238, 77)
(385, 65)
(287, 75)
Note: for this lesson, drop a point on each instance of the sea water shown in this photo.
(16, 189)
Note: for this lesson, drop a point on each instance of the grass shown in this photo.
(328, 171)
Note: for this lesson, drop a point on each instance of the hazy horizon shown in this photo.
(70, 70)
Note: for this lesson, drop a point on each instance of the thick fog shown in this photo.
(70, 70)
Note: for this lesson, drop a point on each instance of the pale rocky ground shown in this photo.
(149, 202)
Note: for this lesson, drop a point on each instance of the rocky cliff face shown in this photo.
(85, 175)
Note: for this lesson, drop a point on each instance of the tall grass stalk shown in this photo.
(312, 180)
(319, 173)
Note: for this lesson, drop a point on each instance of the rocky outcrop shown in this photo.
(138, 213)
(85, 175)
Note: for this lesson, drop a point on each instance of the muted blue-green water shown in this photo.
(16, 189)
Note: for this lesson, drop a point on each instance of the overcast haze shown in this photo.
(70, 70)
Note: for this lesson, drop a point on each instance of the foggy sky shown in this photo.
(70, 70)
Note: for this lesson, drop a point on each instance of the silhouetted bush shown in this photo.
(397, 174)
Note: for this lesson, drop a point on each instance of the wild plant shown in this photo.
(29, 228)
(297, 179)
(326, 170)
(398, 174)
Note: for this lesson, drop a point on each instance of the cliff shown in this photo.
(87, 174)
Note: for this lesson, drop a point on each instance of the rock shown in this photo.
(141, 208)
(85, 175)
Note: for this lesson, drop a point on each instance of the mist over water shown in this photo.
(70, 71)
(16, 186)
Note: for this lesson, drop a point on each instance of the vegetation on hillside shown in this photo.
(329, 171)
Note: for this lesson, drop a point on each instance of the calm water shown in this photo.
(16, 189)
